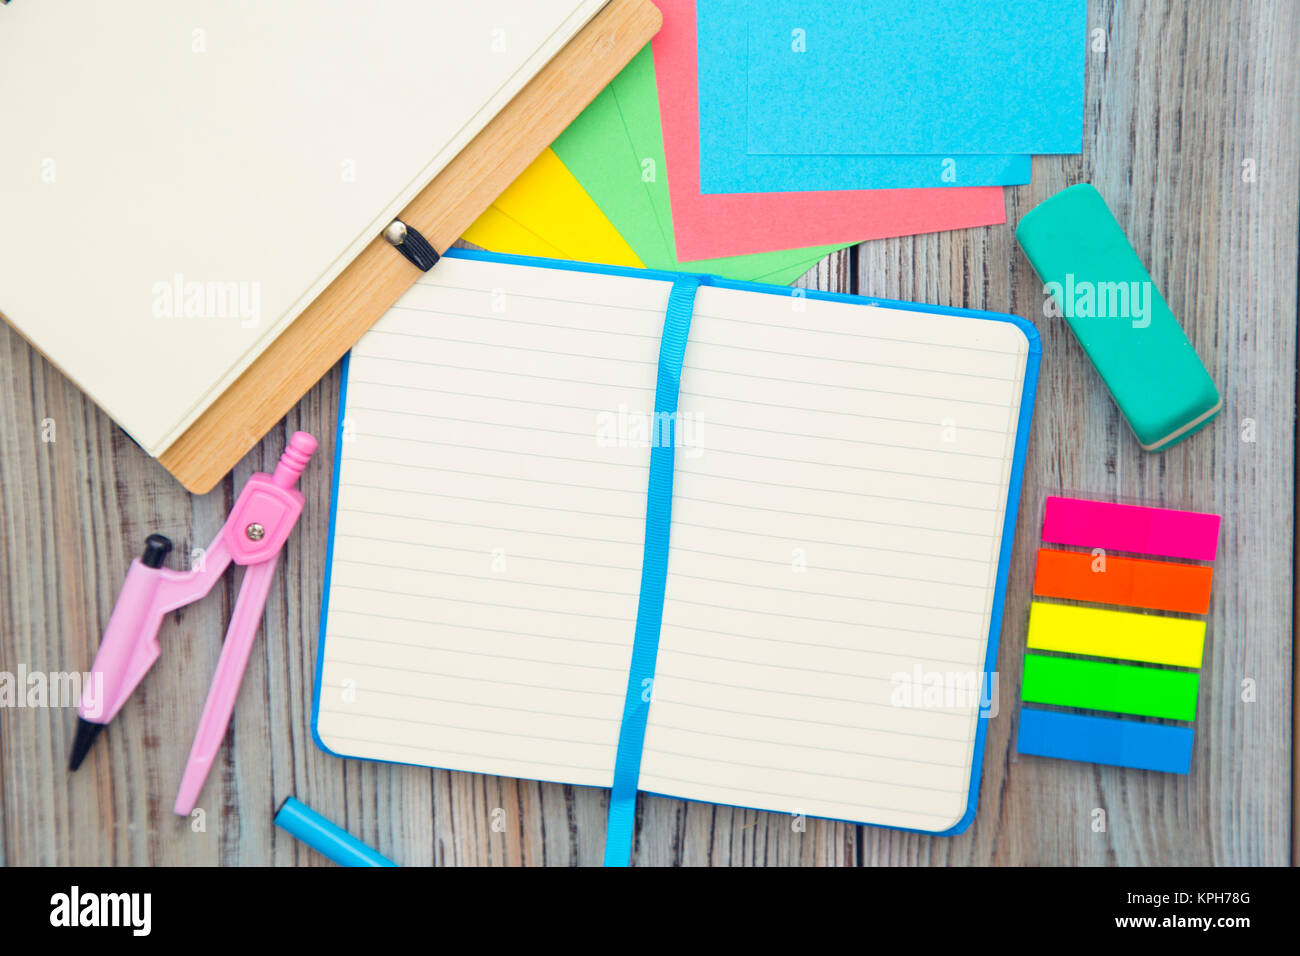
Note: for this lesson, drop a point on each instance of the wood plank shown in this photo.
(364, 291)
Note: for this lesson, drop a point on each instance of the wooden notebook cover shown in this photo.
(301, 355)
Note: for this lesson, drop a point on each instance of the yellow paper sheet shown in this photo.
(545, 212)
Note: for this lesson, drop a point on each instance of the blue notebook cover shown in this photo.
(686, 280)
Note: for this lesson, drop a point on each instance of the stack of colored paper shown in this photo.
(752, 138)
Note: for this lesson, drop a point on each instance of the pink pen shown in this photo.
(253, 535)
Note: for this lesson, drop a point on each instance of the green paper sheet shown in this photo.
(615, 149)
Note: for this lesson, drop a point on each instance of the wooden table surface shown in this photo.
(1191, 133)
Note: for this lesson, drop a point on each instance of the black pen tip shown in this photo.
(86, 734)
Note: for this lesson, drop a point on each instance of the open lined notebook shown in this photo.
(846, 481)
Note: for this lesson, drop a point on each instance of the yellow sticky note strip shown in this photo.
(1097, 632)
(546, 212)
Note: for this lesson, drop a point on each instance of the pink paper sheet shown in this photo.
(708, 227)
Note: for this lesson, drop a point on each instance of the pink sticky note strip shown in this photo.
(713, 226)
(1160, 531)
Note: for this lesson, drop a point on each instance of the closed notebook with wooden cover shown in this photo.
(179, 181)
(846, 480)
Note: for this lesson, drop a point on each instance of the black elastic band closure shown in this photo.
(408, 241)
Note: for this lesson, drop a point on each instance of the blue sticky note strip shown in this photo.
(727, 167)
(926, 76)
(1108, 740)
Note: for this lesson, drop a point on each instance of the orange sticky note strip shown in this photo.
(1133, 582)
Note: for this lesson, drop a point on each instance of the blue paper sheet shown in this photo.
(926, 76)
(726, 167)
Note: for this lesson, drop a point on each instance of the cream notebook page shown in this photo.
(840, 484)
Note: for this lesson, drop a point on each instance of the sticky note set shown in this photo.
(1113, 660)
(945, 77)
(728, 166)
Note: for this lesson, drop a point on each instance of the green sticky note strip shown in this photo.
(615, 149)
(1117, 313)
(1119, 688)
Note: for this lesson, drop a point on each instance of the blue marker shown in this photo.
(322, 835)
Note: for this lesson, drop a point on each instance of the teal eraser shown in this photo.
(1101, 288)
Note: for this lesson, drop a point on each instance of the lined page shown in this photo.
(837, 518)
(490, 523)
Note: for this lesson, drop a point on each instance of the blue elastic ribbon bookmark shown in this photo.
(654, 573)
